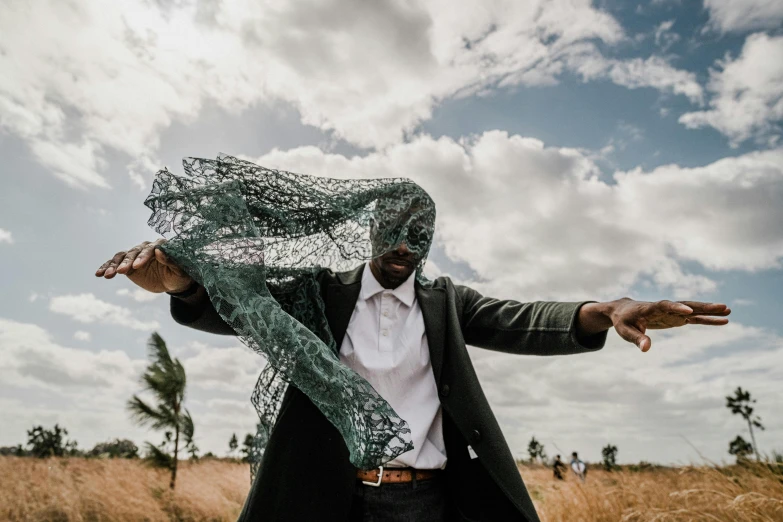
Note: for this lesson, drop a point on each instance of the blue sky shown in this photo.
(575, 150)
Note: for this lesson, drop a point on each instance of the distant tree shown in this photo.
(50, 443)
(247, 447)
(233, 444)
(193, 451)
(115, 449)
(740, 448)
(740, 404)
(536, 450)
(15, 451)
(165, 379)
(609, 453)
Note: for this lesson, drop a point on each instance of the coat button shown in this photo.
(444, 390)
(475, 437)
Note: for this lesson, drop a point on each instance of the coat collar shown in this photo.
(341, 300)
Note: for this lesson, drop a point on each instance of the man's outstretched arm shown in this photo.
(631, 319)
(558, 328)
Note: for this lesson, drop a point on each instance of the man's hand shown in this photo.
(148, 267)
(631, 319)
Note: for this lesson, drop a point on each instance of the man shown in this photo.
(409, 342)
(558, 468)
(578, 467)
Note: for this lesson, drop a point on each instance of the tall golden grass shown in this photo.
(82, 490)
(119, 490)
(752, 493)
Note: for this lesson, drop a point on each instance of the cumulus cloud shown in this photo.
(533, 221)
(6, 237)
(226, 369)
(744, 15)
(30, 358)
(747, 98)
(86, 308)
(81, 335)
(650, 405)
(86, 390)
(664, 36)
(654, 72)
(137, 294)
(135, 67)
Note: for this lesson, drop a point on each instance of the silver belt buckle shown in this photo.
(380, 478)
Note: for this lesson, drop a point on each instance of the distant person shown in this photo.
(558, 467)
(578, 467)
(405, 335)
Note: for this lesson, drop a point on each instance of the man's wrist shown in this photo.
(189, 290)
(595, 317)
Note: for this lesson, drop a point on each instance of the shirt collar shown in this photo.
(406, 292)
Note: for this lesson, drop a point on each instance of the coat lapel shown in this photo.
(340, 301)
(432, 302)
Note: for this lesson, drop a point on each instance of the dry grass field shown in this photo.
(733, 494)
(76, 489)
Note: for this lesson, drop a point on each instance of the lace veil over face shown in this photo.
(257, 239)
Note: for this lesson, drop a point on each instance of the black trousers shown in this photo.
(419, 501)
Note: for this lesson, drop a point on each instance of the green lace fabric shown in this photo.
(257, 240)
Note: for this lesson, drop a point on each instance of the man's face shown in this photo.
(392, 264)
(394, 267)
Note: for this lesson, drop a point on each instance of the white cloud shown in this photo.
(646, 404)
(226, 369)
(86, 391)
(6, 237)
(536, 222)
(86, 308)
(653, 72)
(33, 297)
(747, 97)
(135, 67)
(744, 15)
(31, 358)
(664, 36)
(137, 294)
(81, 335)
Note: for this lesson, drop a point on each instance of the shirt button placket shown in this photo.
(385, 325)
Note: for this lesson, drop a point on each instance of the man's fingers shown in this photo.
(707, 319)
(163, 259)
(700, 308)
(633, 335)
(127, 263)
(110, 267)
(675, 308)
(102, 269)
(143, 257)
(147, 253)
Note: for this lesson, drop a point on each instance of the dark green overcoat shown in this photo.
(306, 475)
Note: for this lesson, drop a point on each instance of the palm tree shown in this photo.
(740, 404)
(536, 450)
(165, 379)
(609, 453)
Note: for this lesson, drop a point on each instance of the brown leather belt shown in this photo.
(378, 476)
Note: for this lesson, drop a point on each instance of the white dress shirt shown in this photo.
(386, 344)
